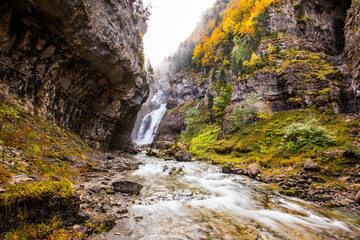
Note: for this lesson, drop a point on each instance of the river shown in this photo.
(195, 200)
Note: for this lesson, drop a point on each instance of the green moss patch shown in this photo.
(39, 146)
(285, 139)
(17, 194)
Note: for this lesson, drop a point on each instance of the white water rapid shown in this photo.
(151, 121)
(194, 200)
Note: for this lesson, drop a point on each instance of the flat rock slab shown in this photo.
(132, 188)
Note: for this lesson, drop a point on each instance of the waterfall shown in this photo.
(151, 121)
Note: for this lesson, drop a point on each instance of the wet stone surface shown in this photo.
(204, 203)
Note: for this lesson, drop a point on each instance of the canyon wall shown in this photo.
(315, 64)
(76, 62)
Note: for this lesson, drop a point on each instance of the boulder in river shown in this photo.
(226, 170)
(132, 188)
(253, 170)
(183, 156)
(311, 166)
(153, 152)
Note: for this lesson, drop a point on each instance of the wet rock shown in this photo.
(183, 156)
(153, 152)
(253, 170)
(163, 145)
(127, 187)
(123, 210)
(173, 170)
(226, 170)
(176, 170)
(171, 126)
(238, 171)
(311, 166)
(138, 218)
(357, 197)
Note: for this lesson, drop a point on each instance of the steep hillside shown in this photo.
(78, 63)
(269, 82)
(288, 54)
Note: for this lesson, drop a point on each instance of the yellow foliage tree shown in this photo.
(237, 19)
(254, 60)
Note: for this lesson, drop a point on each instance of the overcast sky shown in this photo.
(171, 22)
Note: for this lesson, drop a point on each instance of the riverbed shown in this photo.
(194, 200)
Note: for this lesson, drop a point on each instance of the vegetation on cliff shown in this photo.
(280, 143)
(32, 145)
(39, 163)
(268, 92)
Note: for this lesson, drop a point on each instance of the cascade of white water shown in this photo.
(151, 121)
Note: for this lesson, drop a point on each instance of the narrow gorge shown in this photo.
(249, 130)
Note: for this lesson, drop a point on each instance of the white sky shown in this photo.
(171, 22)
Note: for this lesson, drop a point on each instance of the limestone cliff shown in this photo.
(307, 57)
(79, 63)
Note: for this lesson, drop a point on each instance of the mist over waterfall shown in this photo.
(151, 121)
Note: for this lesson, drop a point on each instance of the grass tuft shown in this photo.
(17, 194)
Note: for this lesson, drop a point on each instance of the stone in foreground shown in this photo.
(226, 170)
(311, 166)
(132, 188)
(253, 170)
(183, 156)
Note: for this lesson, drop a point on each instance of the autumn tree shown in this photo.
(241, 17)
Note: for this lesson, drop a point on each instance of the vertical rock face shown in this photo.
(315, 30)
(77, 62)
(352, 40)
(318, 22)
(318, 63)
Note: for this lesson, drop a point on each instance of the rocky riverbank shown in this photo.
(307, 180)
(196, 200)
(54, 185)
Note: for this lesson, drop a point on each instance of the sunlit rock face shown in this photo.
(76, 62)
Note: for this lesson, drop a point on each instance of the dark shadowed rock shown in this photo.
(162, 145)
(183, 156)
(65, 209)
(238, 171)
(171, 126)
(253, 170)
(77, 63)
(153, 152)
(226, 170)
(311, 166)
(132, 188)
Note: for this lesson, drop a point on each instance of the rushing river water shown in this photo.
(202, 203)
